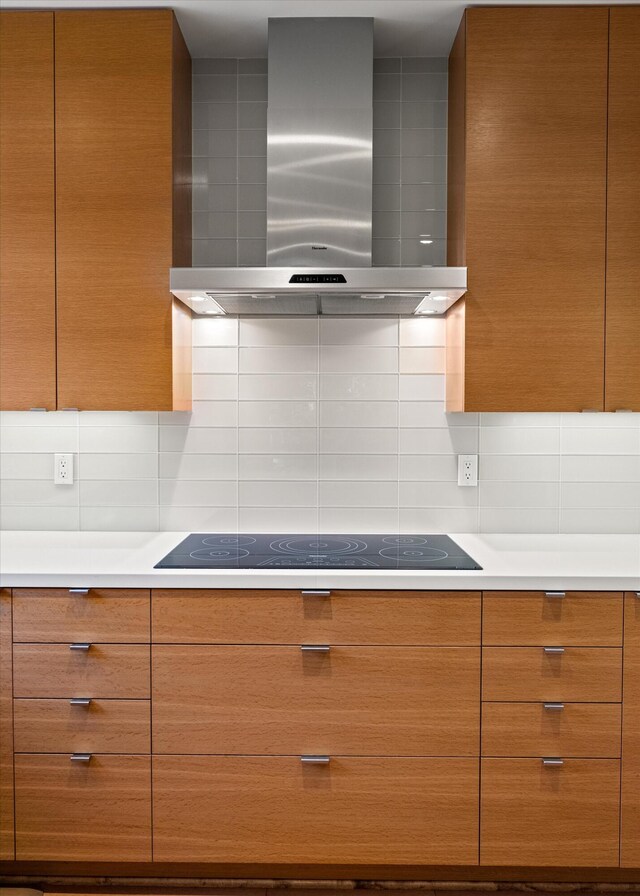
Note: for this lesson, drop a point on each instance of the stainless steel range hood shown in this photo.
(319, 192)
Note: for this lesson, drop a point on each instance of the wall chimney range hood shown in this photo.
(319, 192)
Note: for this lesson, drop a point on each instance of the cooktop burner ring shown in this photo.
(417, 554)
(404, 539)
(220, 554)
(318, 546)
(224, 541)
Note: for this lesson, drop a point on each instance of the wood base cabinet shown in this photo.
(350, 810)
(95, 810)
(630, 834)
(539, 814)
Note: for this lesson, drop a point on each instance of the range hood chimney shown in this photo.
(319, 192)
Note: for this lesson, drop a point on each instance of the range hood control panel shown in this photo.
(317, 278)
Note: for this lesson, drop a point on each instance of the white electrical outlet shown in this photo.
(468, 470)
(63, 469)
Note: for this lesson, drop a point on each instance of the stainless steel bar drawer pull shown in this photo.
(554, 707)
(80, 701)
(555, 594)
(80, 645)
(315, 593)
(637, 593)
(81, 757)
(78, 590)
(553, 650)
(315, 648)
(315, 760)
(553, 763)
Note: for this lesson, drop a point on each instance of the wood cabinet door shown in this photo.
(532, 814)
(393, 701)
(116, 75)
(630, 833)
(276, 809)
(622, 376)
(6, 729)
(73, 811)
(533, 160)
(27, 221)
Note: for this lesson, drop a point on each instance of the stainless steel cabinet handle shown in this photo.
(555, 594)
(553, 763)
(315, 593)
(37, 409)
(315, 760)
(637, 593)
(78, 590)
(84, 645)
(80, 701)
(623, 411)
(554, 707)
(553, 649)
(315, 648)
(80, 757)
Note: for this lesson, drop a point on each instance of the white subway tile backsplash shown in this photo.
(321, 423)
(359, 387)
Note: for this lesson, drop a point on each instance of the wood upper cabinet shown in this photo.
(27, 232)
(622, 375)
(123, 157)
(630, 819)
(527, 201)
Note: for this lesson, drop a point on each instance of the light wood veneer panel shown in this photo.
(6, 729)
(105, 670)
(587, 730)
(529, 618)
(622, 375)
(27, 215)
(528, 673)
(421, 701)
(105, 726)
(534, 206)
(346, 617)
(275, 809)
(534, 815)
(116, 84)
(75, 811)
(107, 615)
(630, 839)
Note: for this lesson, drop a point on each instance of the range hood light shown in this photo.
(425, 239)
(372, 295)
(432, 305)
(206, 305)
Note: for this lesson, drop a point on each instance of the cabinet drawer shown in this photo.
(105, 670)
(537, 815)
(353, 700)
(56, 614)
(589, 730)
(72, 811)
(104, 726)
(531, 618)
(352, 810)
(588, 674)
(339, 617)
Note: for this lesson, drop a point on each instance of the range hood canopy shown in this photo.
(319, 192)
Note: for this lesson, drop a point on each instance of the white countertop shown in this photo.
(126, 560)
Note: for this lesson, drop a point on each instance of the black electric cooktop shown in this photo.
(225, 551)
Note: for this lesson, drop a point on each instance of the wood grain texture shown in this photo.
(622, 375)
(274, 809)
(6, 729)
(630, 832)
(98, 811)
(105, 726)
(587, 730)
(535, 208)
(352, 701)
(102, 615)
(534, 815)
(105, 670)
(115, 175)
(286, 617)
(27, 215)
(456, 147)
(588, 619)
(587, 674)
